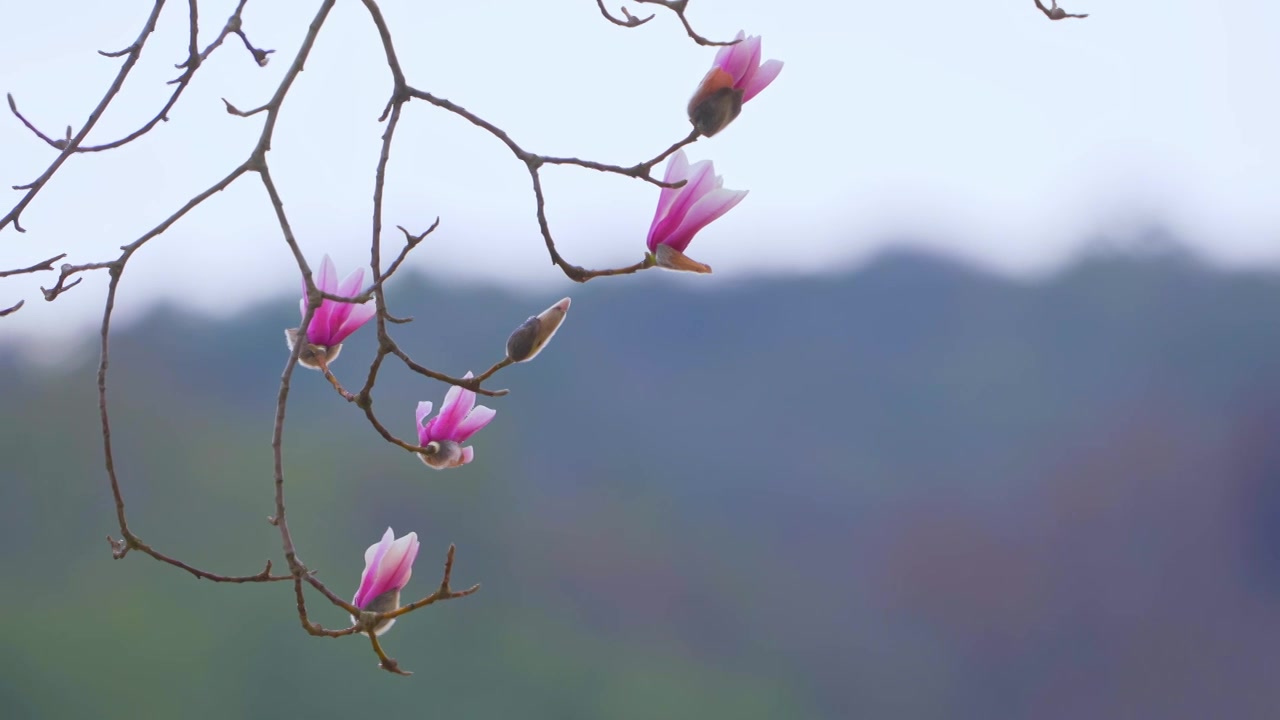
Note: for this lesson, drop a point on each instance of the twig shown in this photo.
(410, 242)
(444, 592)
(630, 21)
(42, 266)
(533, 163)
(134, 52)
(678, 7)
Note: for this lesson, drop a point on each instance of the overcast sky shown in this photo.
(979, 128)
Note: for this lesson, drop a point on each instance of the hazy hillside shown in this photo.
(917, 491)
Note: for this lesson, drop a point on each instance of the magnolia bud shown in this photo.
(715, 103)
(311, 355)
(529, 339)
(672, 259)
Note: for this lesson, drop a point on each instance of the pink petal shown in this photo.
(372, 560)
(352, 283)
(327, 277)
(743, 58)
(760, 79)
(339, 310)
(357, 315)
(726, 52)
(473, 423)
(677, 170)
(701, 180)
(397, 564)
(458, 402)
(703, 213)
(424, 409)
(320, 331)
(468, 454)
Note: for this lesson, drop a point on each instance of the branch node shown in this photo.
(119, 548)
(630, 21)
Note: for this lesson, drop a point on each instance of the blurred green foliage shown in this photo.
(915, 491)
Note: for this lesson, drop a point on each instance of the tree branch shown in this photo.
(134, 52)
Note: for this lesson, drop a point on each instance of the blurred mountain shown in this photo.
(914, 491)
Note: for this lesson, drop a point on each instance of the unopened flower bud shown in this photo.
(716, 103)
(310, 355)
(735, 77)
(388, 565)
(534, 334)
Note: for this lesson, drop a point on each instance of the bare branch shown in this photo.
(134, 52)
(71, 275)
(42, 266)
(129, 540)
(410, 242)
(444, 592)
(678, 7)
(629, 21)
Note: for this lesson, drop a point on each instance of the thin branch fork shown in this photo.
(534, 162)
(402, 92)
(133, 52)
(195, 59)
(676, 6)
(129, 540)
(628, 20)
(365, 622)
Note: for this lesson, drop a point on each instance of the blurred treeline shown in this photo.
(914, 491)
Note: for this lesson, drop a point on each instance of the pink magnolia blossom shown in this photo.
(735, 77)
(459, 419)
(388, 565)
(333, 321)
(685, 210)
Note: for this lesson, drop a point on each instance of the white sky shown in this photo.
(979, 128)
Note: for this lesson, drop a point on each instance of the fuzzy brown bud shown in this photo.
(534, 334)
(710, 112)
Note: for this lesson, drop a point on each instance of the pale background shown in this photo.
(979, 129)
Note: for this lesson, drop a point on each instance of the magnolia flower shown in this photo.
(734, 78)
(534, 334)
(333, 321)
(443, 435)
(388, 565)
(685, 210)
